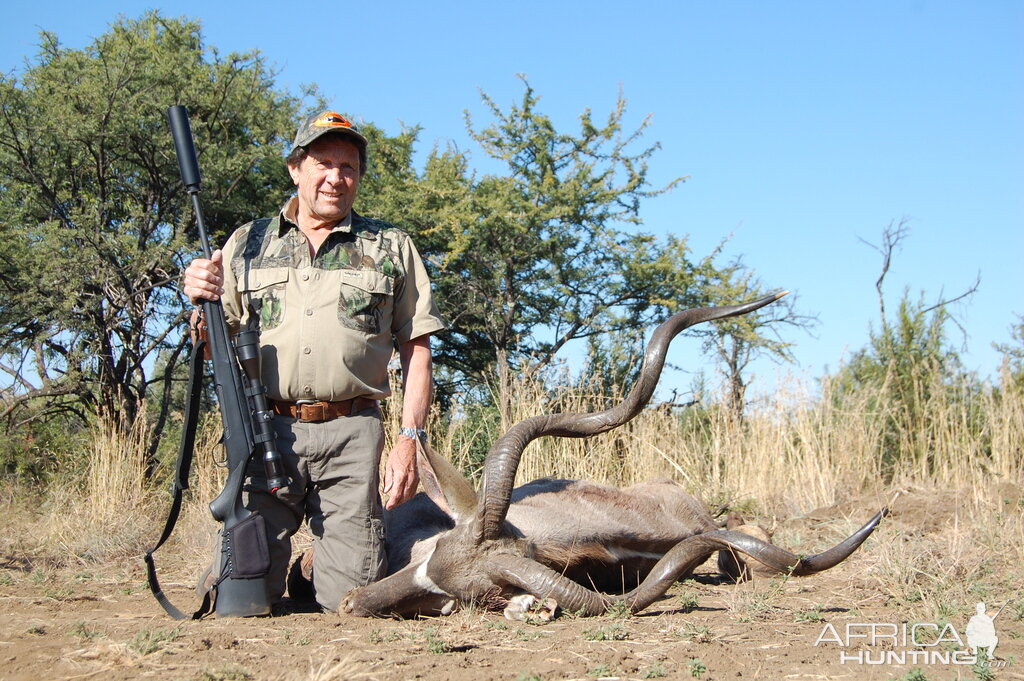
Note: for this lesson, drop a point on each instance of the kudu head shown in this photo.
(481, 560)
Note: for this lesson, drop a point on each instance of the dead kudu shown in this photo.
(566, 540)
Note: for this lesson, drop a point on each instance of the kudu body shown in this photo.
(567, 540)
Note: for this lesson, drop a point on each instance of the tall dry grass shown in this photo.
(100, 509)
(796, 450)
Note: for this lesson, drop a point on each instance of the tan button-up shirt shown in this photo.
(328, 323)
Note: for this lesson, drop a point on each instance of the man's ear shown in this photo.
(294, 172)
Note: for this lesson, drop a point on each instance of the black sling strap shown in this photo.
(181, 472)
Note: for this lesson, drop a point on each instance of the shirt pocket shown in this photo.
(263, 291)
(365, 300)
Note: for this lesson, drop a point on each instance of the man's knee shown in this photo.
(344, 561)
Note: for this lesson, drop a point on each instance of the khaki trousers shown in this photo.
(333, 466)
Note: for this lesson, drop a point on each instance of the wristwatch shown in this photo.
(414, 433)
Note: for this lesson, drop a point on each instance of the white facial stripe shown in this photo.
(426, 583)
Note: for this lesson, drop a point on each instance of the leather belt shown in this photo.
(316, 411)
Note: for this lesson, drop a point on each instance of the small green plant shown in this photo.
(149, 641)
(287, 635)
(529, 676)
(615, 632)
(981, 590)
(600, 670)
(83, 632)
(698, 633)
(982, 668)
(983, 672)
(6, 579)
(946, 611)
(687, 603)
(656, 671)
(925, 636)
(378, 636)
(619, 610)
(435, 644)
(60, 593)
(697, 668)
(913, 675)
(758, 604)
(526, 635)
(812, 616)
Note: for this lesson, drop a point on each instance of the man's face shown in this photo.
(327, 179)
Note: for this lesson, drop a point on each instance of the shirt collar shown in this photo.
(290, 212)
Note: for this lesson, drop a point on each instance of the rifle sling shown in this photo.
(181, 472)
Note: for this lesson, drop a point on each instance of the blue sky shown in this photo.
(803, 126)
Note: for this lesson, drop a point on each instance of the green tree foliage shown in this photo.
(675, 281)
(906, 367)
(907, 363)
(94, 223)
(541, 258)
(737, 341)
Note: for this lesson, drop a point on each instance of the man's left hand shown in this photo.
(400, 476)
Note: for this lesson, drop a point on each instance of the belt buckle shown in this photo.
(316, 407)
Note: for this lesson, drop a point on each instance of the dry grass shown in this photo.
(794, 452)
(101, 512)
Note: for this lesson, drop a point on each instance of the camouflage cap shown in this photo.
(328, 122)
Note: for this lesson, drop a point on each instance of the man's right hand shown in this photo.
(204, 278)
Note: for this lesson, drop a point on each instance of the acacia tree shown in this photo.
(907, 363)
(545, 248)
(94, 223)
(736, 342)
(675, 279)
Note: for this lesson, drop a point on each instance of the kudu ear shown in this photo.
(444, 484)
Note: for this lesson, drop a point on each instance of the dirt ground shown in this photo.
(103, 623)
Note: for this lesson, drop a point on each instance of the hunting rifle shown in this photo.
(239, 586)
